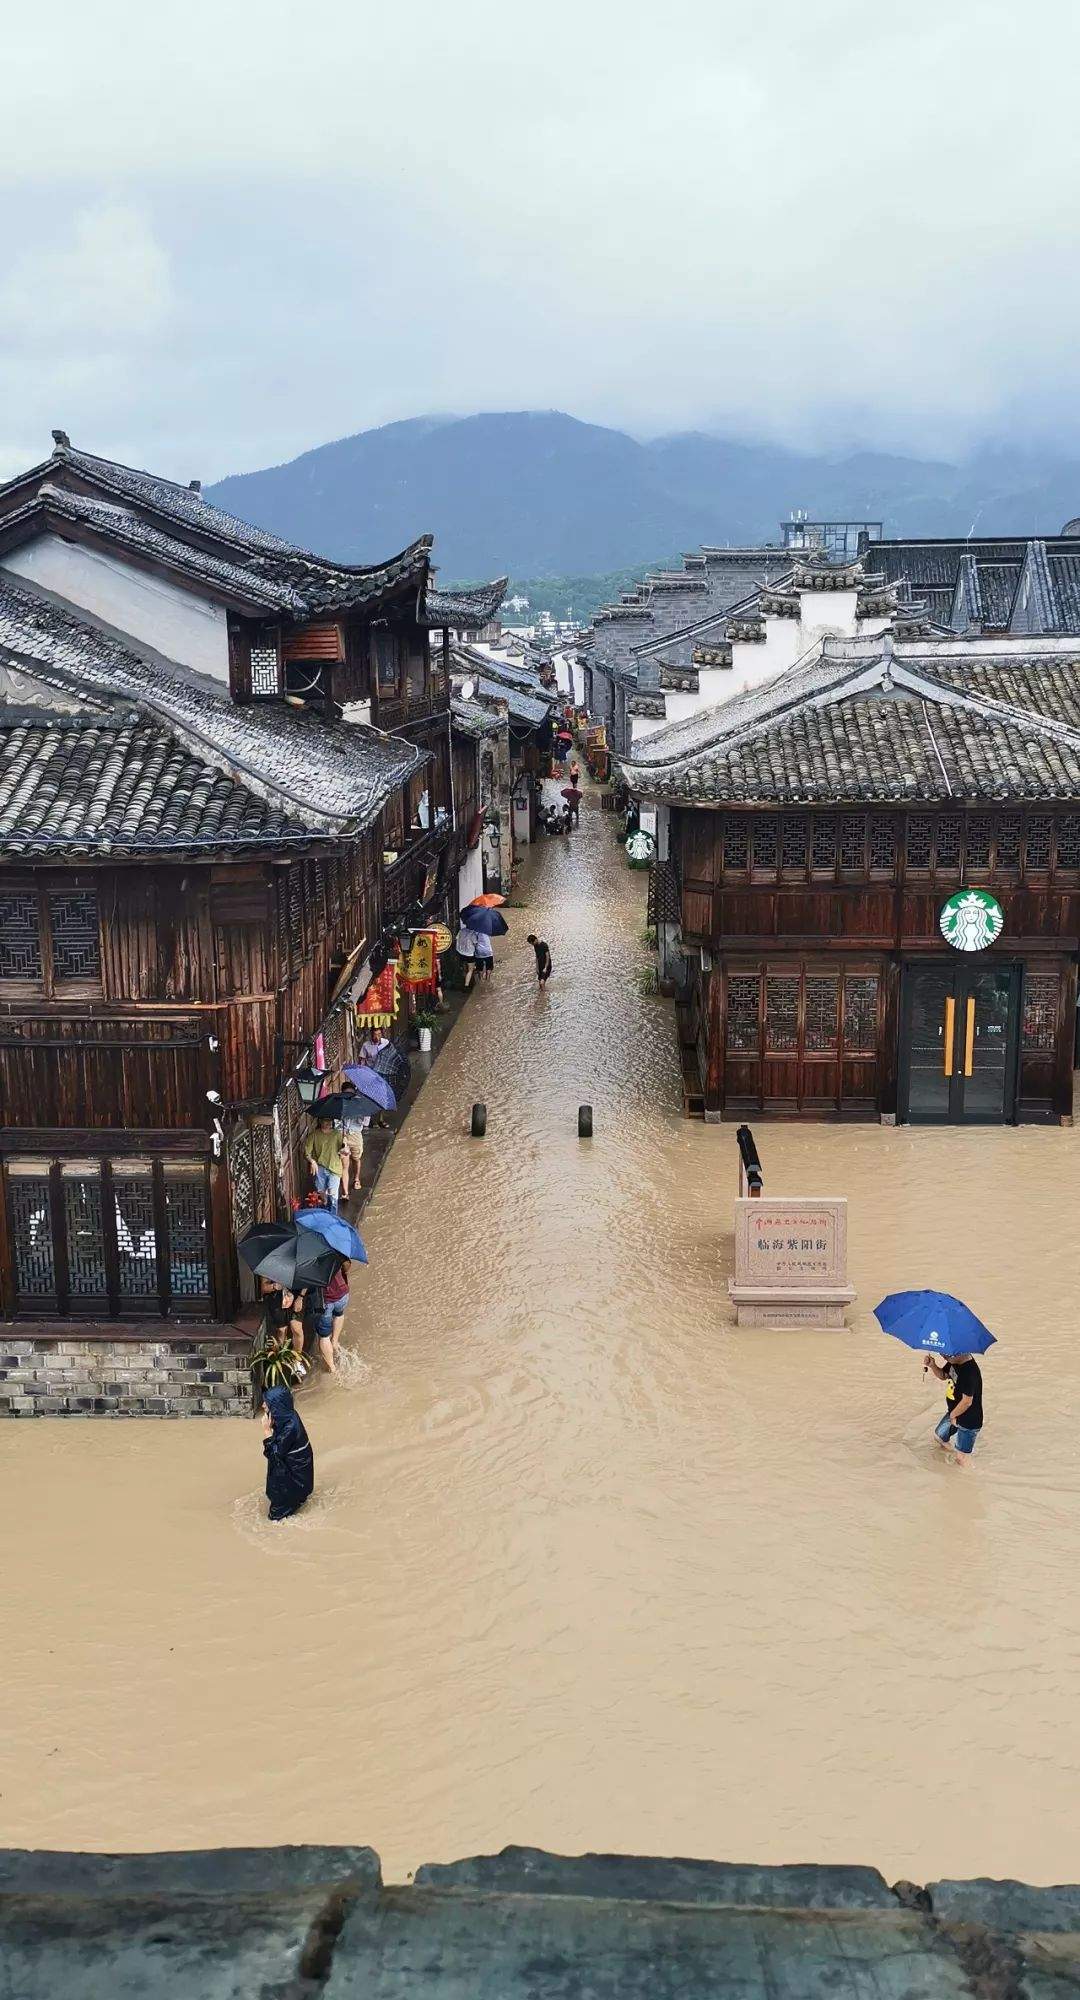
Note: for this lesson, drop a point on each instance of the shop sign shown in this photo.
(377, 1007)
(641, 846)
(418, 964)
(443, 936)
(971, 920)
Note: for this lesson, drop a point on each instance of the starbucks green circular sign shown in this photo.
(971, 920)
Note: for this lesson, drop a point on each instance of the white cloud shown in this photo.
(105, 281)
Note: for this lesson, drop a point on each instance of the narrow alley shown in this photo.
(579, 1552)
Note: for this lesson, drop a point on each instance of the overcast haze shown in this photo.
(234, 231)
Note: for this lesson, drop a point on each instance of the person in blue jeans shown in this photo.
(328, 1321)
(958, 1431)
(323, 1150)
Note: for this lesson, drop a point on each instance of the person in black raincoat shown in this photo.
(290, 1462)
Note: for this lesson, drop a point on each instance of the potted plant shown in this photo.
(423, 1023)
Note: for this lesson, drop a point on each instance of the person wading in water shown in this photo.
(290, 1461)
(958, 1431)
(543, 957)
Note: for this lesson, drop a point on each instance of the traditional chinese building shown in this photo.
(188, 887)
(1019, 584)
(868, 884)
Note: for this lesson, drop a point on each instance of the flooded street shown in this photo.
(586, 1568)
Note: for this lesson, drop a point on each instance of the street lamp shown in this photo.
(309, 1082)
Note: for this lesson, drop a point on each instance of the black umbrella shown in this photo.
(339, 1105)
(294, 1258)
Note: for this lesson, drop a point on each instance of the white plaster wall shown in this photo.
(646, 725)
(826, 613)
(470, 877)
(181, 626)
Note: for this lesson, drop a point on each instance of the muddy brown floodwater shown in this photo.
(586, 1568)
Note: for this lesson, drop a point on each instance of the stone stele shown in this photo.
(790, 1262)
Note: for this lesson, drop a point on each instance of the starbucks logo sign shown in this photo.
(641, 846)
(971, 920)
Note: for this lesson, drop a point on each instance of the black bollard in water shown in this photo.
(584, 1121)
(479, 1120)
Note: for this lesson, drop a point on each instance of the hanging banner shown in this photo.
(377, 1007)
(418, 965)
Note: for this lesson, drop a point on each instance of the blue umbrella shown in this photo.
(491, 922)
(933, 1322)
(372, 1085)
(339, 1234)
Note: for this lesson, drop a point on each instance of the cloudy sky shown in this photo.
(232, 231)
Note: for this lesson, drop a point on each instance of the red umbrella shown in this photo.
(571, 792)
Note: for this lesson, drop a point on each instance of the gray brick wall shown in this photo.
(181, 1376)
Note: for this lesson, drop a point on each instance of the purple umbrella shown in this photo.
(372, 1085)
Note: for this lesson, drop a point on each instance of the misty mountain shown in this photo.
(537, 493)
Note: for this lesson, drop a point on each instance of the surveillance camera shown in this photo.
(213, 1097)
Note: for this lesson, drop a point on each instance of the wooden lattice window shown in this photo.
(766, 844)
(1039, 1034)
(1008, 841)
(265, 664)
(920, 837)
(49, 938)
(980, 839)
(736, 843)
(781, 1013)
(1068, 841)
(882, 844)
(387, 659)
(20, 941)
(186, 1225)
(821, 1013)
(823, 845)
(31, 1222)
(76, 945)
(80, 1182)
(296, 917)
(1040, 829)
(860, 1014)
(136, 1231)
(794, 843)
(853, 843)
(743, 994)
(950, 829)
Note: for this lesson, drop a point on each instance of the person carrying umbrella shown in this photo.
(959, 1428)
(949, 1336)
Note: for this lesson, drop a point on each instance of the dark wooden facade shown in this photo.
(126, 994)
(805, 930)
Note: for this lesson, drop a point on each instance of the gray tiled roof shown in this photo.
(471, 660)
(204, 542)
(691, 603)
(119, 784)
(327, 777)
(521, 707)
(463, 609)
(471, 720)
(123, 526)
(1024, 583)
(867, 720)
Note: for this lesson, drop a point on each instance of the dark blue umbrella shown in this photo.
(339, 1234)
(392, 1063)
(370, 1084)
(933, 1322)
(491, 923)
